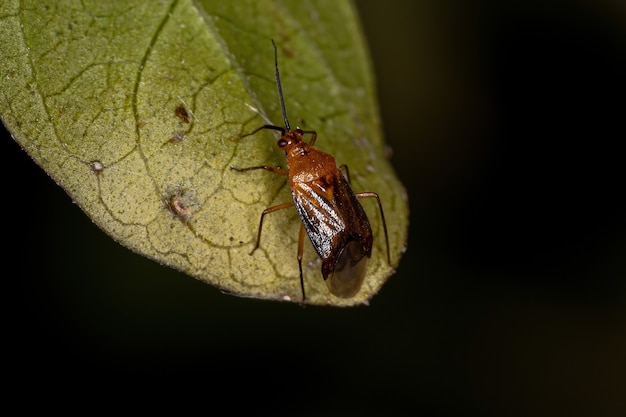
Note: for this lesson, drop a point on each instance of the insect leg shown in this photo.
(313, 136)
(369, 194)
(275, 170)
(272, 127)
(268, 211)
(300, 251)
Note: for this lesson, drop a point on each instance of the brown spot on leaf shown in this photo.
(178, 206)
(182, 113)
(180, 202)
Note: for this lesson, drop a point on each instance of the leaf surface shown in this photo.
(138, 109)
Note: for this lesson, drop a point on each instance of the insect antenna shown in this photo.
(280, 88)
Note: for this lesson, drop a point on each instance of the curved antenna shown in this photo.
(280, 88)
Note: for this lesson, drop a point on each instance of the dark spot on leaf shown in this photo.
(182, 113)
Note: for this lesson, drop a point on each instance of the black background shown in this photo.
(507, 124)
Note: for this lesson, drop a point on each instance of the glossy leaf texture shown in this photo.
(138, 110)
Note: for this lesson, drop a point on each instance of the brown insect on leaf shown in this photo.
(329, 209)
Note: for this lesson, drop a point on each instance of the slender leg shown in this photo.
(313, 136)
(300, 252)
(272, 127)
(275, 170)
(268, 211)
(369, 194)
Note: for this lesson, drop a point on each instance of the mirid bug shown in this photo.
(329, 209)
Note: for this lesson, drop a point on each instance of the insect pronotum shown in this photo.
(329, 210)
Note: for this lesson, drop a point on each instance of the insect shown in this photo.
(329, 209)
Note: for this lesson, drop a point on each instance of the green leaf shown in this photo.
(138, 110)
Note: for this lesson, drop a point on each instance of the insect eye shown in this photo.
(299, 133)
(282, 143)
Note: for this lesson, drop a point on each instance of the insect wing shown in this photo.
(338, 229)
(348, 271)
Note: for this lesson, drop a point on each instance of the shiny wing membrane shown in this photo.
(333, 217)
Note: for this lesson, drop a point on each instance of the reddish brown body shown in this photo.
(329, 209)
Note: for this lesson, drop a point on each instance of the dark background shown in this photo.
(507, 121)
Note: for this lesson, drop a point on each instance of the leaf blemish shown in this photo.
(178, 207)
(179, 203)
(182, 113)
(96, 167)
